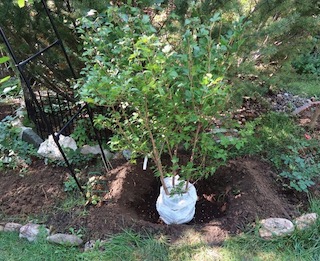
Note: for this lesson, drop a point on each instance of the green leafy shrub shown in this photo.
(300, 171)
(95, 186)
(3, 60)
(10, 87)
(273, 133)
(70, 184)
(79, 133)
(277, 138)
(161, 97)
(75, 158)
(14, 151)
(307, 64)
(300, 164)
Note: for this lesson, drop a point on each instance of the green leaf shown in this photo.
(4, 79)
(161, 91)
(187, 21)
(215, 18)
(124, 17)
(21, 3)
(4, 59)
(145, 19)
(173, 74)
(175, 160)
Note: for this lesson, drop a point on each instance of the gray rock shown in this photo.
(17, 123)
(6, 159)
(99, 244)
(31, 137)
(31, 231)
(286, 102)
(271, 227)
(88, 246)
(65, 239)
(127, 154)
(12, 227)
(118, 155)
(86, 149)
(1, 228)
(49, 148)
(305, 221)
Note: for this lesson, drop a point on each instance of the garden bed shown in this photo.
(228, 203)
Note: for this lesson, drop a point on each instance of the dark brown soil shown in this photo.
(228, 203)
(5, 109)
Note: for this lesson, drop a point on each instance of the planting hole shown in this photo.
(208, 207)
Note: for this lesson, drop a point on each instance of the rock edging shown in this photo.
(273, 227)
(269, 228)
(32, 231)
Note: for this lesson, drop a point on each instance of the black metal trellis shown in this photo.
(36, 105)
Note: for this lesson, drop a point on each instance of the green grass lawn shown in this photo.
(306, 85)
(302, 245)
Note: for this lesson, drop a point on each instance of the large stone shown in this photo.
(65, 239)
(49, 148)
(12, 227)
(305, 221)
(271, 227)
(86, 149)
(31, 231)
(1, 228)
(31, 137)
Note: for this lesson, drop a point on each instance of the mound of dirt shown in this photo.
(32, 191)
(228, 202)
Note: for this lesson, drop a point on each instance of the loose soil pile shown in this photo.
(228, 202)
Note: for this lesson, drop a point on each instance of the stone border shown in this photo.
(272, 227)
(31, 232)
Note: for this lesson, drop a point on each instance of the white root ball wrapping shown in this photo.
(177, 208)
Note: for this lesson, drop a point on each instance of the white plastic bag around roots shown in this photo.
(178, 208)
